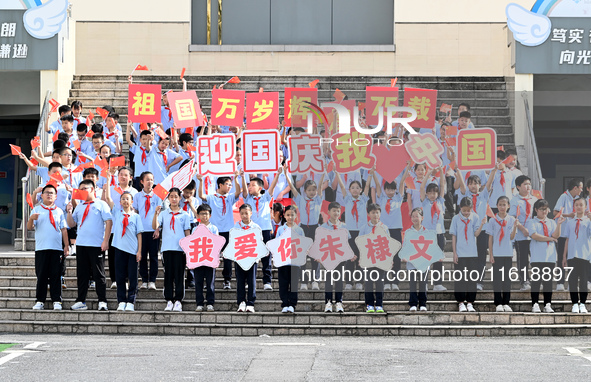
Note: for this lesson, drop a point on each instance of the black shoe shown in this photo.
(191, 285)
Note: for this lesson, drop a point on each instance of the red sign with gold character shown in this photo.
(295, 111)
(143, 103)
(262, 110)
(227, 107)
(424, 101)
(185, 109)
(376, 96)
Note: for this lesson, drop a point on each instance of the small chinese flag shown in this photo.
(451, 141)
(16, 150)
(508, 160)
(410, 184)
(117, 162)
(234, 80)
(141, 67)
(35, 144)
(118, 190)
(102, 112)
(82, 158)
(104, 173)
(52, 183)
(54, 138)
(330, 167)
(79, 194)
(559, 214)
(445, 108)
(160, 191)
(451, 130)
(88, 121)
(489, 211)
(29, 200)
(101, 163)
(143, 126)
(313, 83)
(182, 72)
(393, 82)
(34, 161)
(361, 105)
(191, 147)
(261, 90)
(76, 144)
(500, 148)
(84, 166)
(89, 134)
(57, 176)
(161, 133)
(537, 194)
(91, 116)
(54, 105)
(339, 95)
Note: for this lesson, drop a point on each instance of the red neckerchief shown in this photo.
(223, 197)
(52, 220)
(354, 210)
(503, 224)
(257, 203)
(144, 156)
(308, 209)
(164, 158)
(577, 227)
(527, 209)
(147, 205)
(502, 180)
(86, 211)
(545, 228)
(185, 208)
(172, 219)
(125, 223)
(474, 201)
(434, 210)
(388, 206)
(169, 112)
(466, 226)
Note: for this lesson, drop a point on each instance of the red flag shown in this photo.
(54, 105)
(143, 126)
(559, 214)
(101, 163)
(34, 161)
(104, 173)
(500, 148)
(57, 176)
(76, 144)
(141, 67)
(537, 194)
(517, 211)
(79, 194)
(183, 73)
(52, 182)
(234, 80)
(451, 130)
(29, 200)
(117, 162)
(393, 82)
(508, 160)
(88, 121)
(82, 158)
(489, 211)
(330, 167)
(35, 144)
(118, 190)
(190, 147)
(160, 191)
(450, 141)
(445, 108)
(16, 150)
(261, 90)
(410, 184)
(338, 95)
(89, 134)
(83, 166)
(161, 133)
(313, 83)
(102, 112)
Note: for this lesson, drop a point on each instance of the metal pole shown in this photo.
(24, 215)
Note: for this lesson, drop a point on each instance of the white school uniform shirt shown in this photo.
(579, 243)
(184, 204)
(262, 216)
(481, 204)
(280, 186)
(314, 207)
(502, 248)
(541, 252)
(347, 178)
(498, 190)
(139, 204)
(171, 235)
(240, 225)
(91, 231)
(74, 178)
(140, 167)
(334, 227)
(295, 229)
(416, 193)
(565, 201)
(464, 229)
(209, 185)
(166, 118)
(111, 138)
(62, 199)
(46, 235)
(368, 228)
(117, 197)
(157, 165)
(354, 223)
(223, 220)
(435, 222)
(523, 217)
(55, 126)
(126, 242)
(392, 220)
(213, 229)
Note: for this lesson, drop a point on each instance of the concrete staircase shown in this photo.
(17, 296)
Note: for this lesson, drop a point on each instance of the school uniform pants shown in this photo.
(266, 261)
(578, 278)
(501, 280)
(465, 288)
(374, 290)
(396, 234)
(438, 265)
(111, 259)
(417, 277)
(314, 267)
(522, 249)
(535, 284)
(47, 270)
(150, 247)
(90, 261)
(336, 285)
(126, 266)
(174, 275)
(227, 271)
(243, 279)
(482, 249)
(206, 274)
(559, 257)
(288, 276)
(352, 265)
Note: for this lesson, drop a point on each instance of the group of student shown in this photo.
(123, 219)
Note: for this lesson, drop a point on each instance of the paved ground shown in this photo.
(141, 358)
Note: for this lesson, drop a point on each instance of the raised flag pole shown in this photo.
(134, 68)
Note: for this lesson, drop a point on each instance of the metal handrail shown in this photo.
(30, 182)
(533, 160)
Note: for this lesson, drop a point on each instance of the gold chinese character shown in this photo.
(226, 104)
(297, 107)
(185, 110)
(422, 106)
(144, 104)
(263, 110)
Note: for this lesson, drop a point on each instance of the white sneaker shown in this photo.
(38, 306)
(548, 308)
(178, 307)
(358, 286)
(470, 307)
(57, 305)
(439, 288)
(227, 285)
(152, 285)
(395, 287)
(250, 309)
(413, 309)
(114, 285)
(121, 307)
(462, 307)
(103, 306)
(210, 308)
(479, 287)
(387, 287)
(315, 285)
(144, 285)
(560, 288)
(284, 310)
(268, 287)
(199, 308)
(130, 307)
(507, 308)
(290, 309)
(328, 307)
(169, 306)
(588, 285)
(582, 308)
(536, 308)
(525, 287)
(242, 307)
(304, 286)
(423, 308)
(79, 306)
(340, 308)
(575, 308)
(500, 308)
(348, 287)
